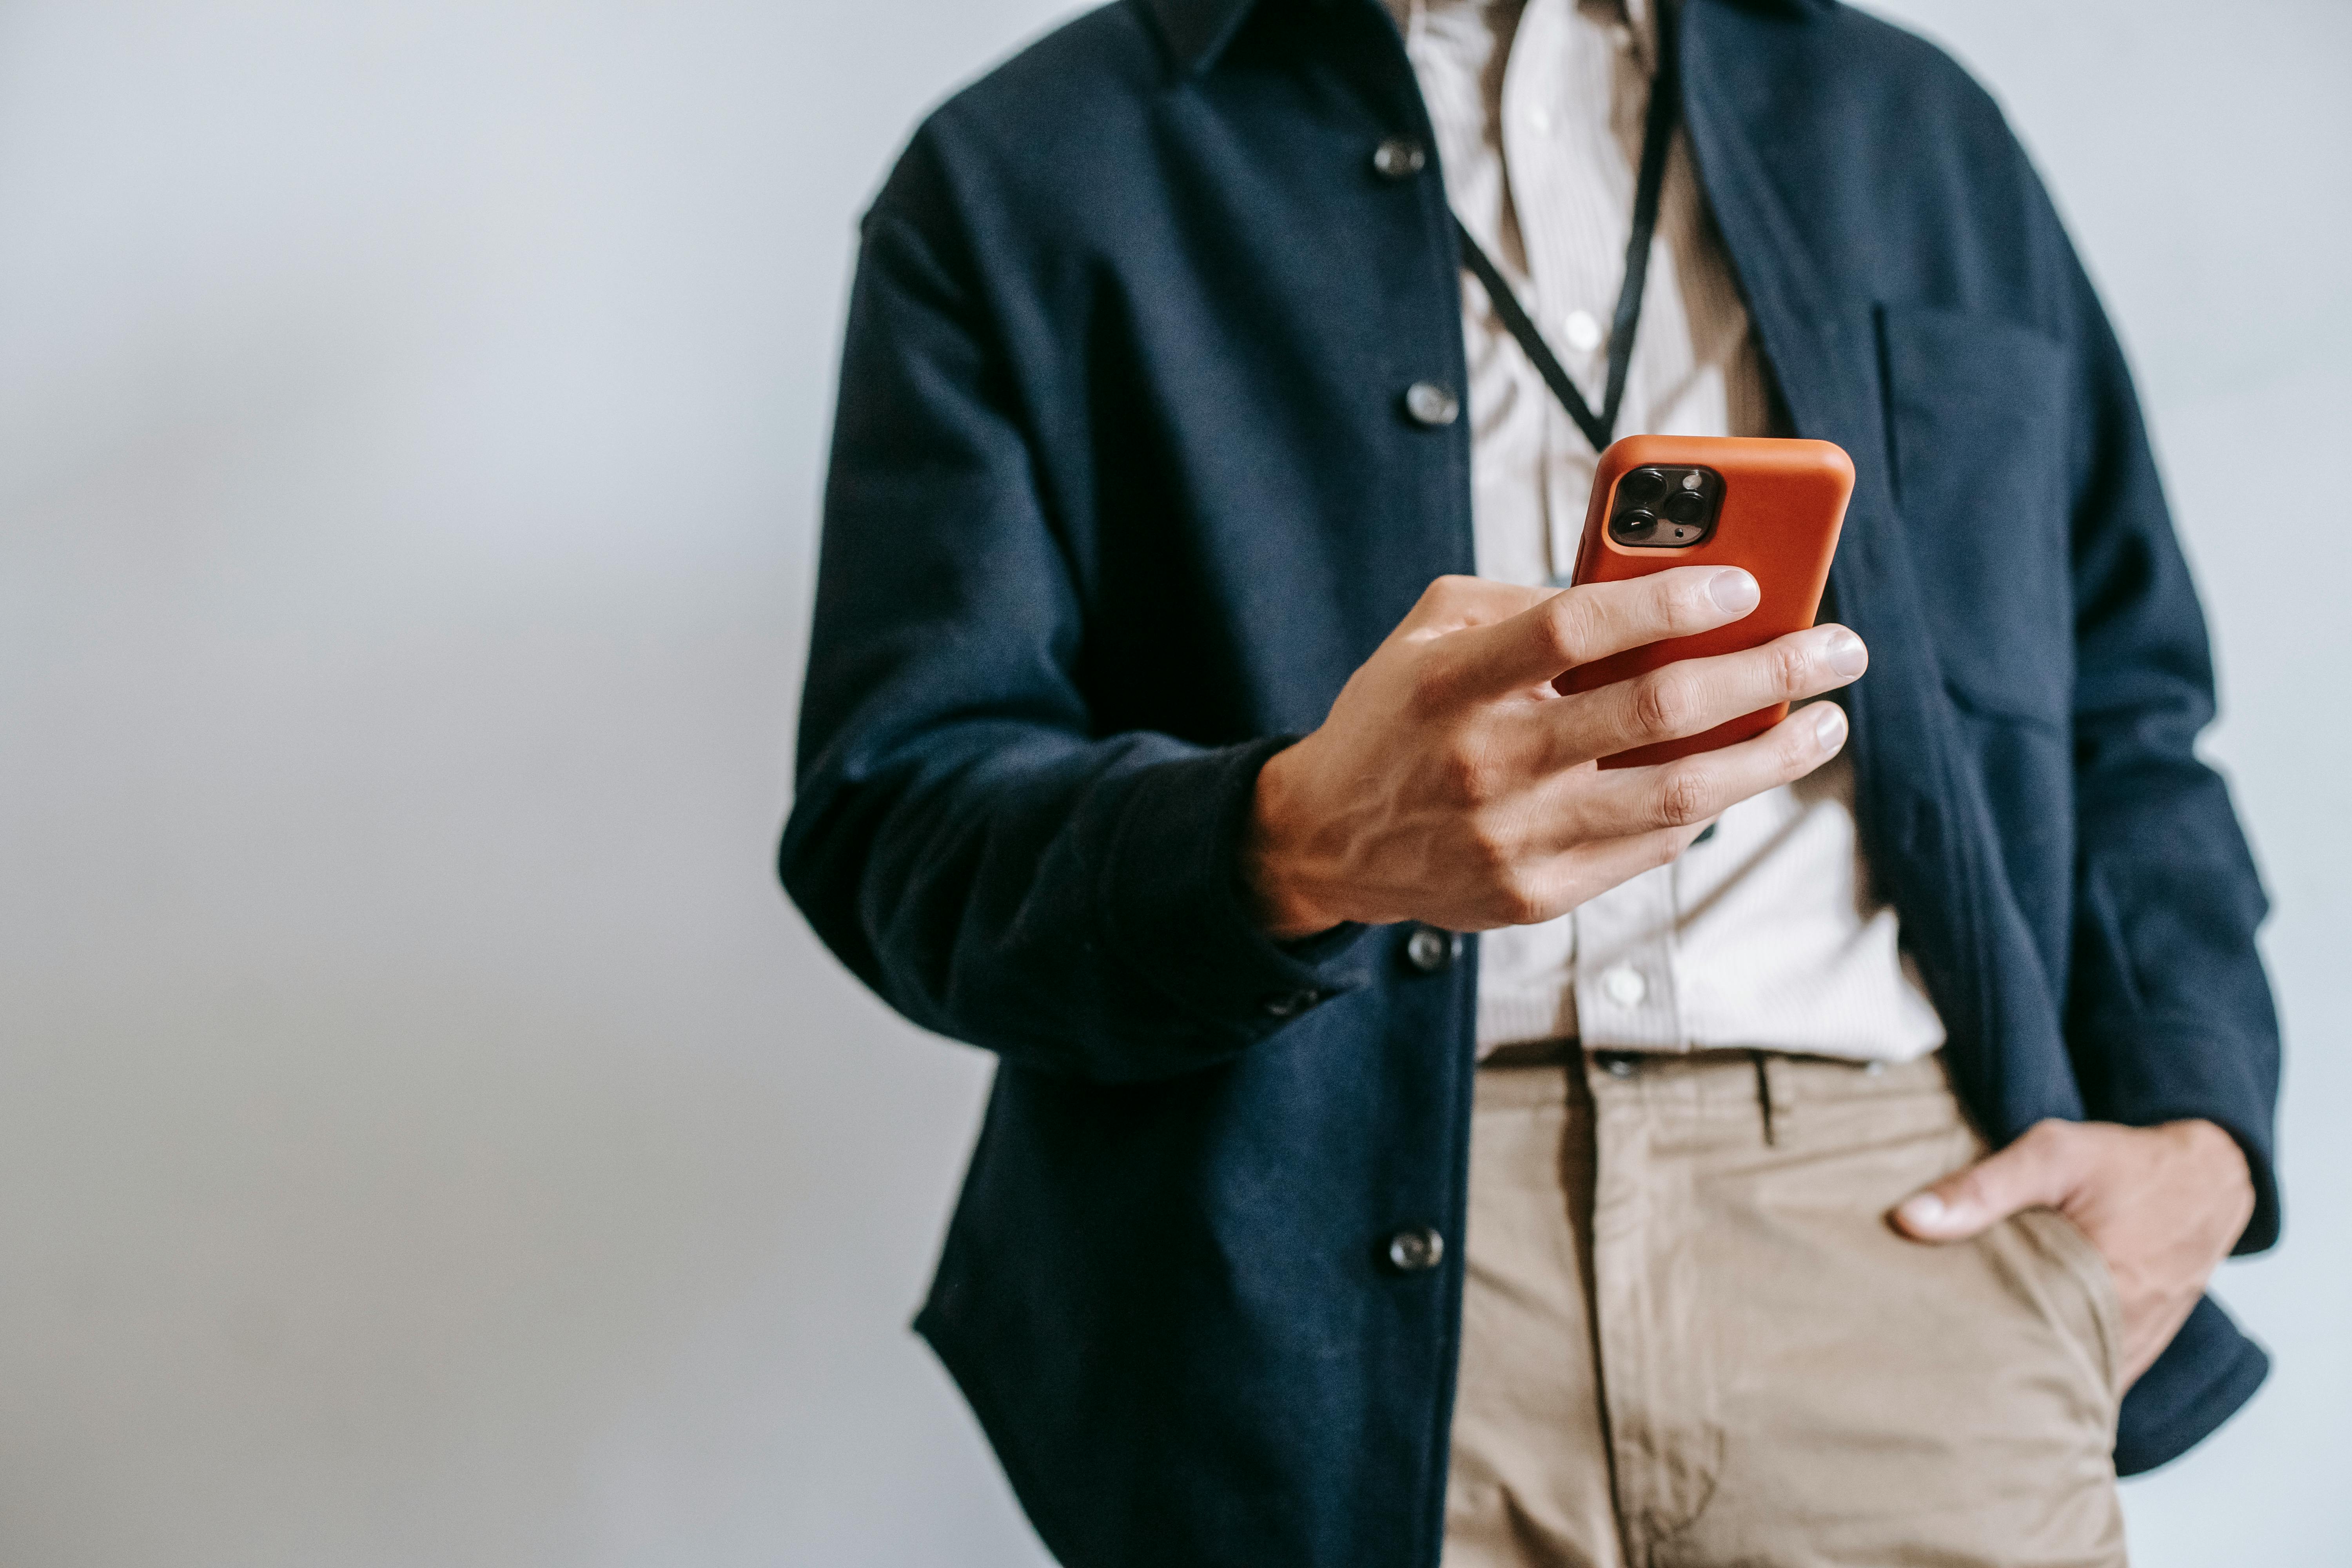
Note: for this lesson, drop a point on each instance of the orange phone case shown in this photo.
(1783, 504)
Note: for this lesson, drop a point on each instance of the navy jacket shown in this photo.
(1121, 491)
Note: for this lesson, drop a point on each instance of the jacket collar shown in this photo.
(1198, 30)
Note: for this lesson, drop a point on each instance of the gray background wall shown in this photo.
(427, 1137)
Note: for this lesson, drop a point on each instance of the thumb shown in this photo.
(2034, 1171)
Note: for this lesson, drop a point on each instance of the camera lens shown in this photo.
(1685, 506)
(1636, 522)
(1642, 487)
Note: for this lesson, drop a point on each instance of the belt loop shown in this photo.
(1763, 1094)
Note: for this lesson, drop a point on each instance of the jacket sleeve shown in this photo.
(2169, 1013)
(962, 838)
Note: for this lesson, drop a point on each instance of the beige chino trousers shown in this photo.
(1691, 1339)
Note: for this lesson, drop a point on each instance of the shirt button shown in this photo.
(1399, 158)
(1583, 332)
(1539, 119)
(1290, 1003)
(1624, 986)
(1616, 1064)
(1416, 1251)
(1431, 405)
(1429, 950)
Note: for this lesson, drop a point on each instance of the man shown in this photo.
(1180, 697)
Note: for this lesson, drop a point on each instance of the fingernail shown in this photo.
(1925, 1210)
(1733, 591)
(1846, 655)
(1828, 726)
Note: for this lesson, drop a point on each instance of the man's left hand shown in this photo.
(2163, 1205)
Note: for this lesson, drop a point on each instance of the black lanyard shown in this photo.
(1665, 92)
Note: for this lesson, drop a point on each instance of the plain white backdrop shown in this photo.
(426, 1136)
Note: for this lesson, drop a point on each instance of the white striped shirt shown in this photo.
(1768, 935)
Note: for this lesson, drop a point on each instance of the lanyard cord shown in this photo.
(1657, 134)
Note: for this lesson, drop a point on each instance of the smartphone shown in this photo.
(1770, 506)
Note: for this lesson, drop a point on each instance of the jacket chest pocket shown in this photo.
(1976, 417)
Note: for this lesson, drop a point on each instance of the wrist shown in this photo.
(2217, 1148)
(1273, 857)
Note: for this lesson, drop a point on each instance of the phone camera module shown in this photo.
(1642, 487)
(1670, 508)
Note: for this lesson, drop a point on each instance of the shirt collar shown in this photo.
(1635, 14)
(1199, 30)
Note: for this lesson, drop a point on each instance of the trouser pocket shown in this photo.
(2093, 1317)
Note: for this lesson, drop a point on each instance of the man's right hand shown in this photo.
(1451, 783)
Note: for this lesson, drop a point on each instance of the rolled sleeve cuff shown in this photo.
(1175, 910)
(2202, 1378)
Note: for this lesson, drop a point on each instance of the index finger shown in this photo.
(1577, 626)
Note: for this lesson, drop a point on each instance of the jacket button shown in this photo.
(1431, 405)
(1429, 950)
(1416, 1251)
(1399, 158)
(1290, 1003)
